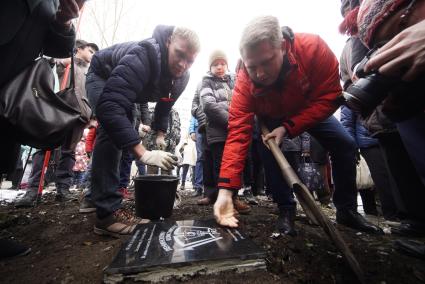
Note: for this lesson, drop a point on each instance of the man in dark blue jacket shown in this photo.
(153, 70)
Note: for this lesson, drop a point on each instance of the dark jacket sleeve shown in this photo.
(114, 107)
(348, 121)
(160, 115)
(59, 41)
(145, 115)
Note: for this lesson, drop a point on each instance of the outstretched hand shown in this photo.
(403, 55)
(224, 212)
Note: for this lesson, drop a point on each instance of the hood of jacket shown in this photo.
(162, 34)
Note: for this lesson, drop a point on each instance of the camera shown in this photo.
(370, 90)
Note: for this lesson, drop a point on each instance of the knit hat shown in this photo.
(372, 14)
(217, 54)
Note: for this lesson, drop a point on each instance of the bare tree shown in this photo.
(106, 16)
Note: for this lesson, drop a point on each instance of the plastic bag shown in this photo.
(363, 178)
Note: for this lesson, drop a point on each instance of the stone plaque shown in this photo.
(159, 251)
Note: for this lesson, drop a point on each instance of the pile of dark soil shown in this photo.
(65, 249)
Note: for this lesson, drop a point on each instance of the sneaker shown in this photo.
(126, 194)
(27, 200)
(87, 206)
(119, 223)
(198, 192)
(182, 187)
(241, 206)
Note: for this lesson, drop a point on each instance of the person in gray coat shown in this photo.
(215, 97)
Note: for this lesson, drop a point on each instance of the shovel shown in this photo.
(312, 210)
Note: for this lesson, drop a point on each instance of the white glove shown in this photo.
(164, 160)
(143, 130)
(160, 142)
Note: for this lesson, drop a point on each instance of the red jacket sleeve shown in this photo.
(241, 119)
(321, 67)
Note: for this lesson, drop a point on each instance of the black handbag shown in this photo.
(42, 118)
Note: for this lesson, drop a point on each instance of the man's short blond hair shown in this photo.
(264, 28)
(189, 35)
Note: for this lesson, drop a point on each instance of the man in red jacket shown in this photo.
(291, 83)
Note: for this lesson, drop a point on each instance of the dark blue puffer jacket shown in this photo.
(136, 72)
(351, 123)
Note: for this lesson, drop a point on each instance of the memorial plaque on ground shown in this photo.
(159, 251)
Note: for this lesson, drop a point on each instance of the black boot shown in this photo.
(286, 221)
(28, 200)
(356, 221)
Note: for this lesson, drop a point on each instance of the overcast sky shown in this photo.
(218, 23)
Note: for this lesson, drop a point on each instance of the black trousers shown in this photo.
(409, 185)
(207, 169)
(382, 179)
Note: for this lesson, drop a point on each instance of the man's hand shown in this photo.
(403, 55)
(224, 212)
(164, 160)
(193, 136)
(277, 134)
(68, 10)
(160, 140)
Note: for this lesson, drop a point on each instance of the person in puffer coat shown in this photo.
(215, 98)
(152, 70)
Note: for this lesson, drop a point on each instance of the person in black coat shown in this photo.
(28, 28)
(152, 70)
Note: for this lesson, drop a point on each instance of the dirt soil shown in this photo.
(65, 249)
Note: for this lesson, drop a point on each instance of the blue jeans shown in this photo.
(342, 149)
(199, 158)
(105, 175)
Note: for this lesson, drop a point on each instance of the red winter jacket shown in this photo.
(308, 95)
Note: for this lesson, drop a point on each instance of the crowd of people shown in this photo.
(289, 82)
